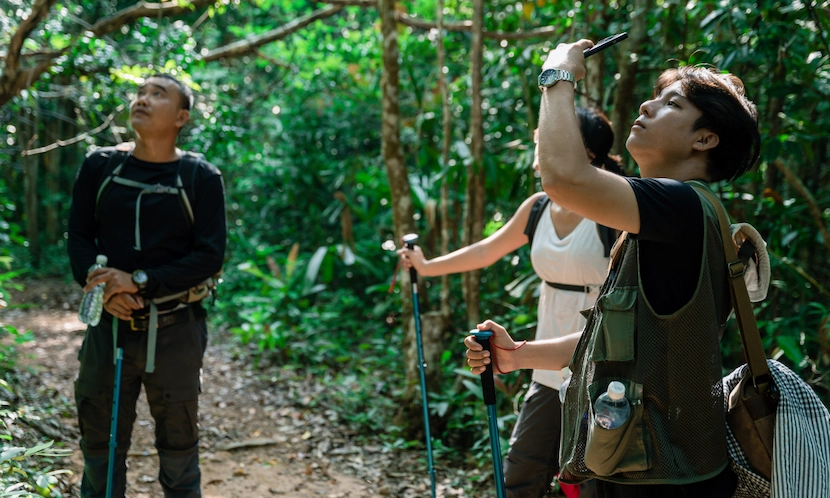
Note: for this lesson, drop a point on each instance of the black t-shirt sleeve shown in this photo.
(670, 240)
(81, 244)
(207, 253)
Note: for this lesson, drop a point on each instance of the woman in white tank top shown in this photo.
(567, 253)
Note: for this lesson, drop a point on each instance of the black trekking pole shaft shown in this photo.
(410, 240)
(488, 389)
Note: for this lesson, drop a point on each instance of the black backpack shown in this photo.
(608, 236)
(117, 158)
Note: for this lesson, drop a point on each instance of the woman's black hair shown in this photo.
(598, 136)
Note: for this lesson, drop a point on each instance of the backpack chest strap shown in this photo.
(147, 188)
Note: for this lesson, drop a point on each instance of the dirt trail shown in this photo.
(288, 449)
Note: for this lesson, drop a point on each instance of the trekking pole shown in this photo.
(116, 398)
(409, 241)
(489, 391)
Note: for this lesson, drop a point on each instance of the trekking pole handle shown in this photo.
(409, 240)
(488, 386)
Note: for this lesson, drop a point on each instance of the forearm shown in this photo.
(184, 273)
(549, 354)
(485, 252)
(468, 258)
(562, 156)
(567, 175)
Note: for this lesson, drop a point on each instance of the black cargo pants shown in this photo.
(172, 392)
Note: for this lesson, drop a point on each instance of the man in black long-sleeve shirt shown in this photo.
(158, 214)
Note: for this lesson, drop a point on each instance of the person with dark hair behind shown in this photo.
(158, 214)
(570, 254)
(657, 323)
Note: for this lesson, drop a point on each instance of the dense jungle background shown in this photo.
(341, 125)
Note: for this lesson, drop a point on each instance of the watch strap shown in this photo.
(550, 77)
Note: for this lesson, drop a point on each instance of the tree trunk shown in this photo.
(51, 162)
(28, 126)
(402, 209)
(628, 62)
(402, 212)
(595, 26)
(474, 193)
(445, 159)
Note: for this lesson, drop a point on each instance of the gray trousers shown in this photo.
(172, 393)
(533, 458)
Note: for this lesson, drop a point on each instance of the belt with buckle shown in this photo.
(574, 288)
(184, 315)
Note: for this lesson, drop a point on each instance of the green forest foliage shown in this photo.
(295, 127)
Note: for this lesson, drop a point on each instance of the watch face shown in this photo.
(548, 77)
(139, 278)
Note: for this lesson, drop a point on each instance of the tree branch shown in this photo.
(274, 61)
(249, 45)
(11, 76)
(144, 9)
(82, 136)
(545, 32)
(407, 20)
(799, 186)
(39, 10)
(14, 79)
(23, 78)
(352, 3)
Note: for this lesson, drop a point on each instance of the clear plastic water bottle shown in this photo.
(93, 302)
(612, 408)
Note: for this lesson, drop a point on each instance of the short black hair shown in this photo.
(727, 112)
(184, 90)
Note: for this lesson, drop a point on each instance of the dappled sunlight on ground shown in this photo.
(261, 434)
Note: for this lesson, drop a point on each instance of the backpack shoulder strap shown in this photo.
(188, 169)
(751, 337)
(536, 213)
(117, 156)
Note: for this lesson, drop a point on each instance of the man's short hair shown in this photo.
(727, 112)
(184, 90)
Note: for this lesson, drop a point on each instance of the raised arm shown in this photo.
(567, 175)
(483, 253)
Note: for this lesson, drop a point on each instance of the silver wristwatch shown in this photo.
(140, 279)
(550, 77)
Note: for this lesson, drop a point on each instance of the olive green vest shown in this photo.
(671, 367)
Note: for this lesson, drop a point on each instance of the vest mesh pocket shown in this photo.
(611, 451)
(617, 325)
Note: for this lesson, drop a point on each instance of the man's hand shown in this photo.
(116, 281)
(478, 359)
(122, 305)
(568, 56)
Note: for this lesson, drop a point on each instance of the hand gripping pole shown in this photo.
(409, 241)
(489, 390)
